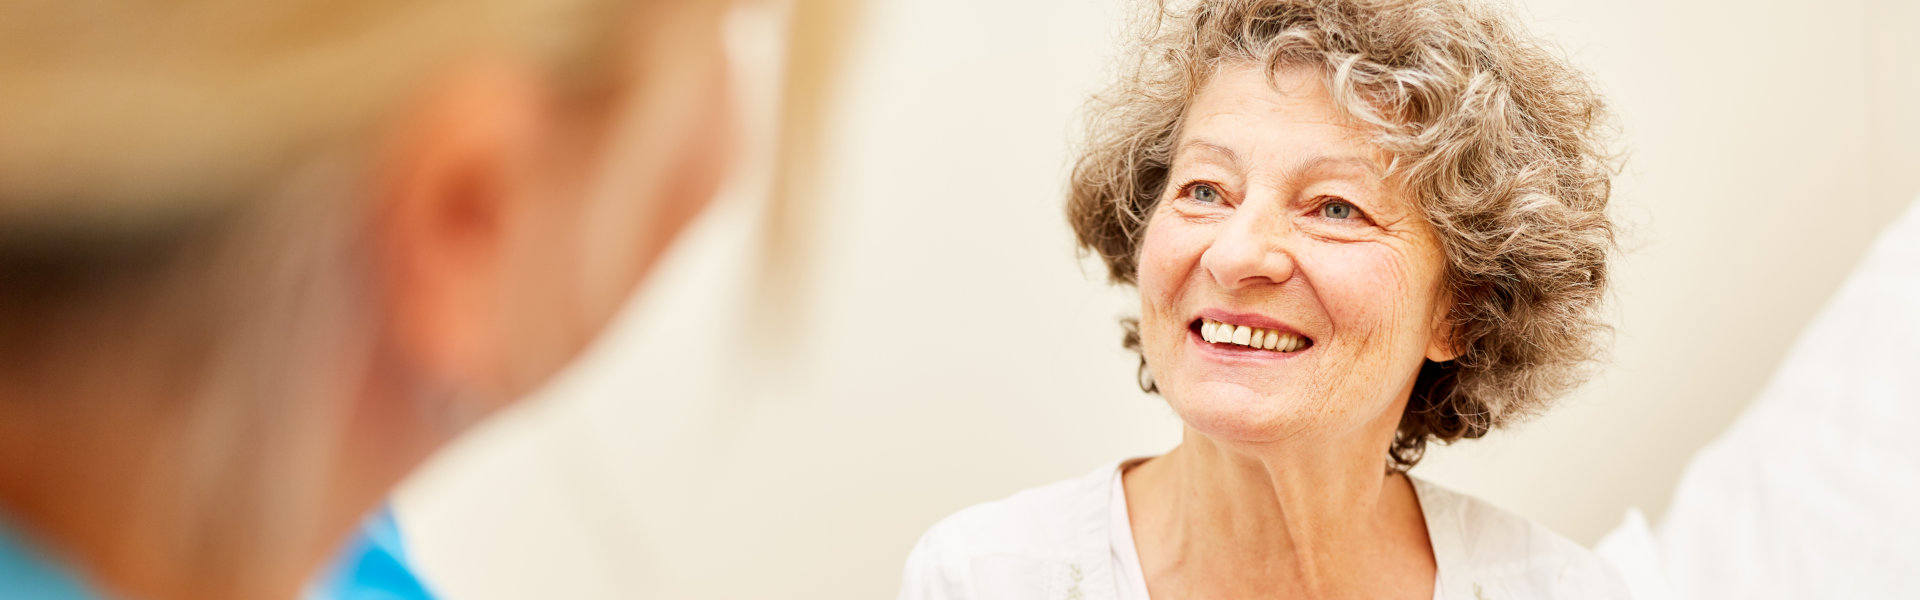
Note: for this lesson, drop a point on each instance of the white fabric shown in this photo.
(1632, 549)
(1069, 541)
(1132, 584)
(1811, 492)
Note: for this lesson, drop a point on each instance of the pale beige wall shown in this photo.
(952, 350)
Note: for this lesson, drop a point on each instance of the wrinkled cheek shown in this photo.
(1365, 293)
(1163, 271)
(1378, 311)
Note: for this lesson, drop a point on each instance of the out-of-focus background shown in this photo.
(781, 416)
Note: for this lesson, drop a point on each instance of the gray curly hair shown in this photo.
(1500, 142)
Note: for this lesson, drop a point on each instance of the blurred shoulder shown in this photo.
(1487, 553)
(1030, 530)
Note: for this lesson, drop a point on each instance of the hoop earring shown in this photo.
(1144, 377)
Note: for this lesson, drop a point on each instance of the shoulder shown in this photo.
(1488, 553)
(374, 566)
(1019, 538)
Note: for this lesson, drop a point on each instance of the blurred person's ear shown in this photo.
(516, 218)
(452, 191)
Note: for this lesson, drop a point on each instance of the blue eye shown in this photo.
(1205, 193)
(1338, 209)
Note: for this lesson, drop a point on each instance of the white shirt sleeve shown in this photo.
(925, 577)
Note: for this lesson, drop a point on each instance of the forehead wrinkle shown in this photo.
(1306, 165)
(1313, 157)
(1208, 147)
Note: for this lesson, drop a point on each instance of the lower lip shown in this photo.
(1239, 353)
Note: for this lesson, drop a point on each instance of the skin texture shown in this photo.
(1280, 488)
(506, 222)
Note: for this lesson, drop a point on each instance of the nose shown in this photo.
(1252, 248)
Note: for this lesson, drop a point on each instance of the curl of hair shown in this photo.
(1499, 140)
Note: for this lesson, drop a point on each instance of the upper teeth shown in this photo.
(1222, 333)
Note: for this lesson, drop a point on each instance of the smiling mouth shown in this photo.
(1216, 332)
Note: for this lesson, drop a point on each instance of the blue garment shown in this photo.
(373, 566)
(26, 571)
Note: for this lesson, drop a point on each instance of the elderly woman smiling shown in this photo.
(1356, 227)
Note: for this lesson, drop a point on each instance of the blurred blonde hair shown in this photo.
(119, 108)
(1502, 144)
(187, 177)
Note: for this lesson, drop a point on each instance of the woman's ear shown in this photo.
(450, 186)
(1442, 349)
(1443, 343)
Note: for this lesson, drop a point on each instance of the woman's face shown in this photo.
(1278, 230)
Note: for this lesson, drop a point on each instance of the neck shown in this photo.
(146, 501)
(1311, 518)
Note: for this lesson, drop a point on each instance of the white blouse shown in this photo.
(1072, 541)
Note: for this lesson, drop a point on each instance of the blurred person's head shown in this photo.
(259, 258)
(1374, 216)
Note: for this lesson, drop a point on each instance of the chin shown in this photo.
(1233, 413)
